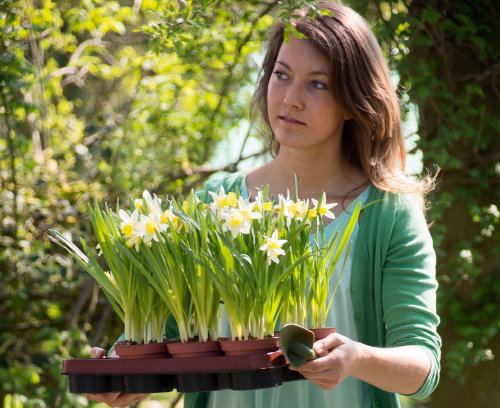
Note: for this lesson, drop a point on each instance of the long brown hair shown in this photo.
(372, 138)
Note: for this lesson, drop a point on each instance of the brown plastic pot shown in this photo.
(321, 333)
(134, 351)
(194, 349)
(249, 347)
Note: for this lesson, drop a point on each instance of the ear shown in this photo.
(347, 116)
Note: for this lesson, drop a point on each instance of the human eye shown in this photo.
(280, 74)
(318, 85)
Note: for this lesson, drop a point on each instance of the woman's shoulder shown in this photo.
(383, 208)
(395, 201)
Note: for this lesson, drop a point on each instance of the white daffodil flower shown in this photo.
(261, 205)
(222, 200)
(135, 240)
(324, 209)
(301, 208)
(288, 208)
(236, 222)
(168, 216)
(247, 210)
(139, 204)
(154, 203)
(151, 225)
(129, 222)
(273, 247)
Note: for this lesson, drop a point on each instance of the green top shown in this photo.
(393, 284)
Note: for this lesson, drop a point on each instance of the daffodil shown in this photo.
(236, 222)
(261, 205)
(129, 222)
(323, 209)
(247, 210)
(301, 209)
(134, 241)
(288, 208)
(273, 248)
(139, 204)
(153, 202)
(151, 225)
(223, 201)
(168, 216)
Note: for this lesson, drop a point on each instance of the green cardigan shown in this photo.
(393, 284)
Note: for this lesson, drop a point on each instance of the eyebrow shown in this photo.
(310, 73)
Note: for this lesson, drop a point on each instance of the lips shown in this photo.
(290, 120)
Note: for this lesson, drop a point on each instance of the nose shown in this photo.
(293, 97)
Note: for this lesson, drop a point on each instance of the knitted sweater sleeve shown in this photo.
(409, 288)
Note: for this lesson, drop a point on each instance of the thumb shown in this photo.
(97, 352)
(323, 346)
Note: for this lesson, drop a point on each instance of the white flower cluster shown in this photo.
(146, 221)
(235, 214)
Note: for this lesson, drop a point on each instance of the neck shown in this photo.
(316, 171)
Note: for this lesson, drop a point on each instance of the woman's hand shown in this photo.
(339, 358)
(401, 369)
(113, 399)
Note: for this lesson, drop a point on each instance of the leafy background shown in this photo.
(106, 98)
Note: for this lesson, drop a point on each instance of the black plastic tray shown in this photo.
(138, 376)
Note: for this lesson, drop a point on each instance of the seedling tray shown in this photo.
(138, 376)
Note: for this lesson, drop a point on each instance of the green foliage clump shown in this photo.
(447, 57)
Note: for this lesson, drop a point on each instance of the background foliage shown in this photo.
(106, 98)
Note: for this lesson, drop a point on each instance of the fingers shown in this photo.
(113, 399)
(97, 352)
(117, 399)
(322, 364)
(328, 356)
(323, 346)
(326, 380)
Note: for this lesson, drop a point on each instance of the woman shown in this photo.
(334, 123)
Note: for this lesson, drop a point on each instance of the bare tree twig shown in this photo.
(227, 82)
(69, 70)
(247, 136)
(204, 172)
(38, 60)
(74, 314)
(88, 43)
(78, 78)
(12, 161)
(97, 337)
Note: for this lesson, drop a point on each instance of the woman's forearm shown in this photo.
(398, 369)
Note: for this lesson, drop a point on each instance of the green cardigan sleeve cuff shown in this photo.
(432, 379)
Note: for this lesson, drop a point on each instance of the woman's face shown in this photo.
(302, 111)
